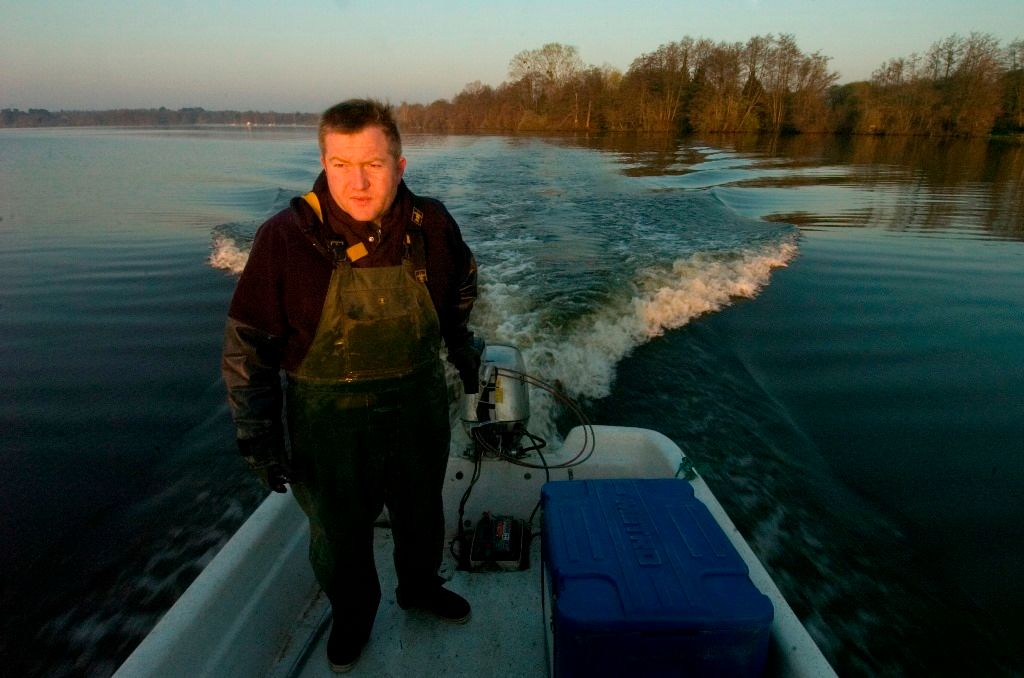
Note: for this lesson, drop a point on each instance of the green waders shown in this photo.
(368, 422)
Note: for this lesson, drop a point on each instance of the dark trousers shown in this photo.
(355, 449)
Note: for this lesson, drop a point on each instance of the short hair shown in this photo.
(355, 115)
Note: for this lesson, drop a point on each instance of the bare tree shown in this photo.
(717, 100)
(975, 95)
(808, 103)
(901, 100)
(1013, 85)
(659, 81)
(755, 56)
(783, 58)
(942, 57)
(546, 73)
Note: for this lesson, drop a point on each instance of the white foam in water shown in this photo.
(227, 256)
(583, 359)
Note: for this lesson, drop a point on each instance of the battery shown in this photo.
(499, 543)
(642, 581)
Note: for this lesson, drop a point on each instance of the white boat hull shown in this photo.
(256, 609)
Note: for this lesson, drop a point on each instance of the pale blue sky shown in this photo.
(303, 56)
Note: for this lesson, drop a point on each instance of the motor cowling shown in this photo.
(496, 416)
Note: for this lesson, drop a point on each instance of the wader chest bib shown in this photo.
(377, 323)
(368, 422)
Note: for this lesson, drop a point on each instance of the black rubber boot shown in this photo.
(442, 603)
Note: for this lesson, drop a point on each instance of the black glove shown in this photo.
(272, 475)
(265, 463)
(466, 360)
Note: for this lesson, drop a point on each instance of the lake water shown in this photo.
(831, 329)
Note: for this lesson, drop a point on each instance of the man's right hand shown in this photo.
(276, 477)
(273, 474)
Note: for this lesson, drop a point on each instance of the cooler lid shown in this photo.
(647, 552)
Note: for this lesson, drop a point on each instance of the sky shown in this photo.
(288, 55)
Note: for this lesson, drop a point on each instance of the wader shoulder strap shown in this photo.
(333, 254)
(313, 201)
(309, 227)
(415, 246)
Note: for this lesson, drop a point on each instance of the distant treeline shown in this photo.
(149, 117)
(962, 86)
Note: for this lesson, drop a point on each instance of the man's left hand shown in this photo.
(467, 361)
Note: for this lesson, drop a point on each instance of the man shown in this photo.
(349, 291)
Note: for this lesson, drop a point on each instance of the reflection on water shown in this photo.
(971, 187)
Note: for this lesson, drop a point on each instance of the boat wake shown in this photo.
(579, 345)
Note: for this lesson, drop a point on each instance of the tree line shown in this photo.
(961, 86)
(149, 117)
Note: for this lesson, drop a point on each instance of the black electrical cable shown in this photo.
(586, 450)
(477, 433)
(461, 533)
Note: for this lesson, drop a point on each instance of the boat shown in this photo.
(256, 609)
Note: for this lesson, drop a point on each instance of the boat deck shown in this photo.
(503, 637)
(257, 611)
(505, 634)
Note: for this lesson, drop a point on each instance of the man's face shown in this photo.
(362, 175)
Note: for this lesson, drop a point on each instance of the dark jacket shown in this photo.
(277, 303)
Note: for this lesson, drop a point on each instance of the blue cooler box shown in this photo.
(643, 582)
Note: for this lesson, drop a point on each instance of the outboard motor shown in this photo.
(496, 416)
